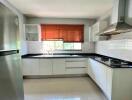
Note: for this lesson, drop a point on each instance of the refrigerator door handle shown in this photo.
(4, 53)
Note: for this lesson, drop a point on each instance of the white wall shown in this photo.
(23, 48)
(36, 47)
(87, 47)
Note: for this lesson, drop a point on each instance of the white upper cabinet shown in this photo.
(104, 23)
(32, 32)
(100, 26)
(129, 12)
(95, 31)
(95, 28)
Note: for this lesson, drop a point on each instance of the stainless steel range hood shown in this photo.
(118, 24)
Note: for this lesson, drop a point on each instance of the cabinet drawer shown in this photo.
(75, 64)
(75, 59)
(75, 70)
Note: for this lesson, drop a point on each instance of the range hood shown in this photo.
(118, 24)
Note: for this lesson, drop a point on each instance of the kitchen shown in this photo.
(65, 50)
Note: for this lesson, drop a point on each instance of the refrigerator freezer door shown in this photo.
(11, 82)
(8, 29)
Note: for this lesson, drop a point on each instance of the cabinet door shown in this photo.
(109, 83)
(30, 66)
(91, 69)
(98, 73)
(95, 31)
(32, 32)
(45, 67)
(101, 76)
(58, 66)
(104, 23)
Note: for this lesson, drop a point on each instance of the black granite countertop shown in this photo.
(58, 55)
(108, 61)
(112, 62)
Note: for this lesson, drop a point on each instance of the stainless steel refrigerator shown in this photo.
(11, 81)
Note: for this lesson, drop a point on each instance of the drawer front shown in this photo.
(75, 64)
(75, 70)
(75, 59)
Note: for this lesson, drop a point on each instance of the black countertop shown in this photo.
(112, 62)
(58, 55)
(108, 61)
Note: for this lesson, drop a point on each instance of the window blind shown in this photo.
(68, 33)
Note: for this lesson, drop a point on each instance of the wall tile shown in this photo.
(121, 49)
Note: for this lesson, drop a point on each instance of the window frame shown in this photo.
(63, 46)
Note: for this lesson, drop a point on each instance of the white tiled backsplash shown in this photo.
(121, 49)
(36, 47)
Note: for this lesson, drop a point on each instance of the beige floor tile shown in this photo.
(62, 89)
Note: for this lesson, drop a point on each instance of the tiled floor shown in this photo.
(62, 89)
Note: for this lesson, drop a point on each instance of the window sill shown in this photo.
(69, 50)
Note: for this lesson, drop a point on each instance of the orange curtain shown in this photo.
(69, 33)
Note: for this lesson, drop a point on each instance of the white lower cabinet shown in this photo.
(45, 67)
(109, 82)
(101, 76)
(30, 66)
(116, 83)
(97, 72)
(90, 69)
(58, 66)
(54, 66)
(75, 66)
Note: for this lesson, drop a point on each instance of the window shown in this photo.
(62, 37)
(72, 46)
(52, 45)
(59, 45)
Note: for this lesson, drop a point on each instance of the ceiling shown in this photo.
(63, 8)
